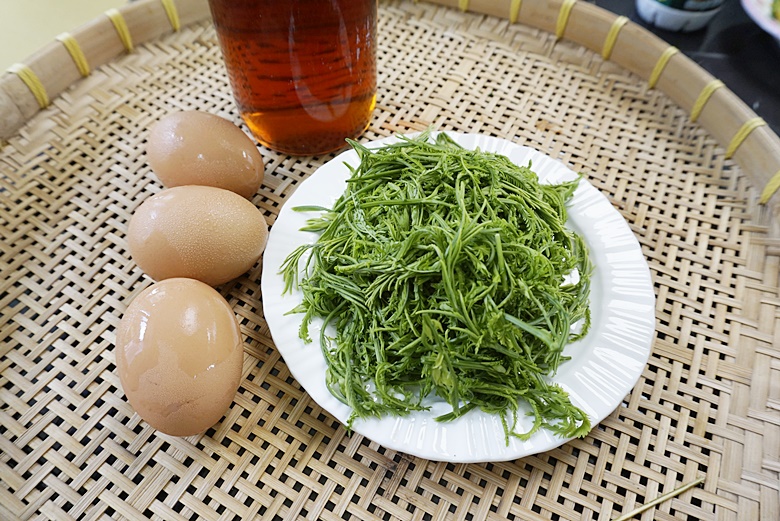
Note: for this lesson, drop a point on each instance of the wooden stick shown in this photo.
(659, 500)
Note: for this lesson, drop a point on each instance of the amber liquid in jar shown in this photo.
(303, 72)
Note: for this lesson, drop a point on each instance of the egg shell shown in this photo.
(179, 355)
(199, 148)
(198, 232)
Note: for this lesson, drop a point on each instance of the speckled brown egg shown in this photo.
(199, 148)
(179, 355)
(199, 232)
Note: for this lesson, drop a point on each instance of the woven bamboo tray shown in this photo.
(71, 174)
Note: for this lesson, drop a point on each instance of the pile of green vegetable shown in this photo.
(446, 271)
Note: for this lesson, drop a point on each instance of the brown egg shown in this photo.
(179, 355)
(198, 148)
(198, 232)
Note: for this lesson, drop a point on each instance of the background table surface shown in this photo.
(28, 25)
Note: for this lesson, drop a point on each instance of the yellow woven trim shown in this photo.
(121, 28)
(612, 35)
(771, 187)
(33, 83)
(743, 132)
(173, 14)
(661, 64)
(463, 5)
(705, 94)
(74, 49)
(514, 10)
(563, 17)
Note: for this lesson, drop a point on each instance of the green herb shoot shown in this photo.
(449, 272)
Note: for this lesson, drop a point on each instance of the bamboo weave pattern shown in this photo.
(708, 402)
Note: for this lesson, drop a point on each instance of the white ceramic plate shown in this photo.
(761, 13)
(603, 368)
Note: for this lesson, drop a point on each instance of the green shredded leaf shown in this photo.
(449, 272)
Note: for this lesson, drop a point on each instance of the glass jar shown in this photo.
(303, 72)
